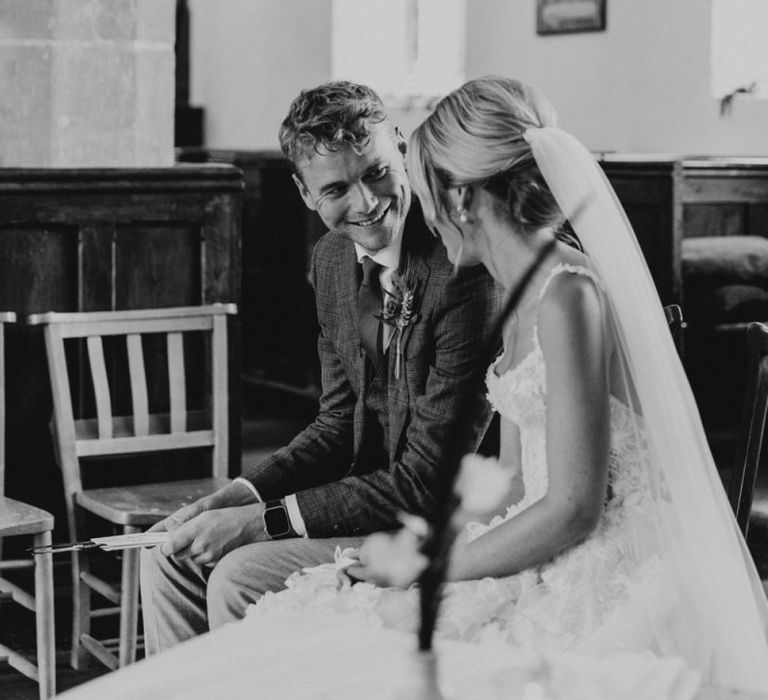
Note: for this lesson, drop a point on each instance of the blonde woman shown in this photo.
(624, 539)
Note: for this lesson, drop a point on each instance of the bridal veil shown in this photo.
(717, 612)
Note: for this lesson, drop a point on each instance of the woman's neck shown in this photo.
(508, 254)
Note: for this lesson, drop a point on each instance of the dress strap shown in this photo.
(565, 267)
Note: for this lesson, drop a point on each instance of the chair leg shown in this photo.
(129, 603)
(44, 619)
(81, 612)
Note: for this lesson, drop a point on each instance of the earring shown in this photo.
(462, 214)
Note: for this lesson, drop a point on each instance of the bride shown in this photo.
(615, 535)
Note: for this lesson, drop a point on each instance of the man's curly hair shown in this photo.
(331, 116)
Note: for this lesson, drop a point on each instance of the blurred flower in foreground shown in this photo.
(482, 483)
(397, 559)
(394, 560)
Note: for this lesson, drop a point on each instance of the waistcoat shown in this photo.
(374, 446)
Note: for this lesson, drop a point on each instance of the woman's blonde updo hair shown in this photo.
(475, 137)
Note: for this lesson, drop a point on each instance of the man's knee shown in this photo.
(222, 579)
(244, 567)
(240, 578)
(173, 600)
(160, 572)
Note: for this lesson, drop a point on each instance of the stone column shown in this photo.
(86, 83)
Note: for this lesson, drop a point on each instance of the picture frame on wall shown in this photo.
(569, 16)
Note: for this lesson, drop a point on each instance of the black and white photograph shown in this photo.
(383, 349)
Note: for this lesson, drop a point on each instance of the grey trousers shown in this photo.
(181, 599)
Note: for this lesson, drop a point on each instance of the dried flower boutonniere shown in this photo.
(399, 311)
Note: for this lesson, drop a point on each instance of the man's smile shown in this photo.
(374, 219)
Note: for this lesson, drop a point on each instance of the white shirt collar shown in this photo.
(389, 257)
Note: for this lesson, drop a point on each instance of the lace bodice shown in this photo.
(519, 395)
(580, 582)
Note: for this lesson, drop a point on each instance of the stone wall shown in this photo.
(86, 83)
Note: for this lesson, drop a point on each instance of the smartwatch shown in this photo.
(277, 524)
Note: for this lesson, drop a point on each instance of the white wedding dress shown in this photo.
(604, 595)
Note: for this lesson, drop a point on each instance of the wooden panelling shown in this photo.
(157, 265)
(648, 191)
(722, 219)
(38, 267)
(725, 196)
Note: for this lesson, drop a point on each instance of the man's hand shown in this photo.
(207, 536)
(233, 494)
(181, 516)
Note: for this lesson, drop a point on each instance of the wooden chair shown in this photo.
(751, 437)
(167, 359)
(17, 518)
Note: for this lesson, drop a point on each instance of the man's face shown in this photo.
(361, 196)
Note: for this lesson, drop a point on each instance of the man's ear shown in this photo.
(304, 192)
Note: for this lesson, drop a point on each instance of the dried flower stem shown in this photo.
(444, 529)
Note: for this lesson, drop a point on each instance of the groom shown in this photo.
(390, 385)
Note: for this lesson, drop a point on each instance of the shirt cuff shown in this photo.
(294, 515)
(249, 486)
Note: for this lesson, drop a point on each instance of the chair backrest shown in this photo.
(91, 413)
(750, 441)
(5, 317)
(674, 316)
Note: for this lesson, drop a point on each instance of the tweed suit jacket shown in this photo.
(337, 494)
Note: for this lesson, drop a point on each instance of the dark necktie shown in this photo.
(369, 303)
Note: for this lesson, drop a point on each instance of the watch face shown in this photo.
(276, 521)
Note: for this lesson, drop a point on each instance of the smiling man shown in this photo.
(359, 189)
(400, 334)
